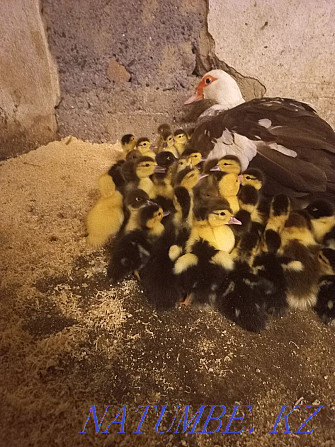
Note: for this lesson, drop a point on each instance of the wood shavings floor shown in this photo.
(69, 340)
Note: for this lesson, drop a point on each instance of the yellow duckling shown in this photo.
(229, 185)
(180, 140)
(106, 217)
(187, 178)
(145, 148)
(162, 129)
(228, 164)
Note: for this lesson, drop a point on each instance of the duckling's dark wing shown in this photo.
(129, 253)
(280, 124)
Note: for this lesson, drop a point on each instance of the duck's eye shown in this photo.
(208, 81)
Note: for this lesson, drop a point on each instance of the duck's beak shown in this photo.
(194, 98)
(215, 168)
(234, 221)
(159, 169)
(203, 176)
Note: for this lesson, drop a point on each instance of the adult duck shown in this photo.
(283, 137)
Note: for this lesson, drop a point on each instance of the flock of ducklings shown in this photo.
(197, 232)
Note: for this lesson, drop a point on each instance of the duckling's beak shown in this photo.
(240, 177)
(164, 144)
(215, 168)
(234, 221)
(159, 169)
(150, 202)
(203, 159)
(203, 176)
(153, 146)
(194, 98)
(166, 213)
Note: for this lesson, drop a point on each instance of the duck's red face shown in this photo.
(199, 92)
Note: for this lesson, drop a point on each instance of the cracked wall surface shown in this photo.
(28, 79)
(288, 46)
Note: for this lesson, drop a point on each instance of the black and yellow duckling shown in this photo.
(163, 174)
(251, 201)
(204, 266)
(106, 217)
(162, 129)
(145, 147)
(137, 175)
(115, 171)
(325, 302)
(228, 164)
(131, 251)
(128, 143)
(187, 178)
(243, 298)
(271, 267)
(280, 208)
(194, 158)
(180, 140)
(181, 164)
(163, 287)
(322, 218)
(134, 200)
(298, 243)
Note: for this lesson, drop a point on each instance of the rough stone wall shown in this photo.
(29, 87)
(289, 46)
(124, 66)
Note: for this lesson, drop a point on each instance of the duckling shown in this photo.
(115, 171)
(203, 268)
(253, 177)
(325, 303)
(106, 217)
(162, 128)
(163, 287)
(163, 174)
(243, 298)
(228, 186)
(168, 143)
(298, 243)
(132, 251)
(187, 178)
(128, 143)
(280, 208)
(194, 158)
(145, 147)
(180, 140)
(137, 174)
(228, 164)
(133, 155)
(322, 217)
(177, 167)
(133, 202)
(271, 267)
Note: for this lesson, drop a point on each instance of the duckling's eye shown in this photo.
(147, 165)
(138, 199)
(222, 213)
(208, 81)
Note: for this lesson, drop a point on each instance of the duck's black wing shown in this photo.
(295, 147)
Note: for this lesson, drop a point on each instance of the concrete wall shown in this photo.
(289, 46)
(125, 66)
(29, 87)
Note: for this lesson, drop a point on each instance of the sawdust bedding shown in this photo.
(69, 340)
